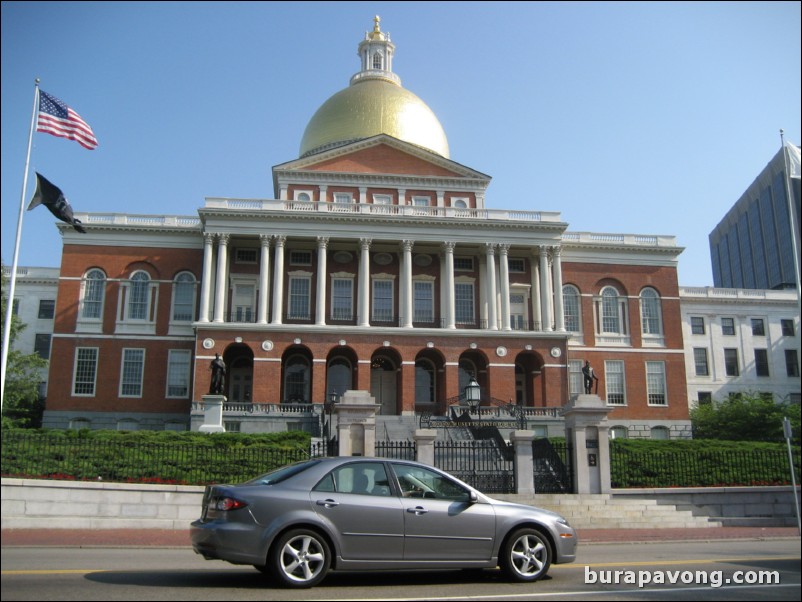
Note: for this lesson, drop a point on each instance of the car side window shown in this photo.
(361, 478)
(421, 482)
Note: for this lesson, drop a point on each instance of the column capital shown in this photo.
(448, 246)
(406, 245)
(223, 238)
(265, 239)
(503, 248)
(490, 248)
(322, 242)
(280, 239)
(208, 238)
(364, 243)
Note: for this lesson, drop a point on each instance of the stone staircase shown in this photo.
(605, 511)
(396, 428)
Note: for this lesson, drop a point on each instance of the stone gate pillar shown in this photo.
(587, 432)
(356, 423)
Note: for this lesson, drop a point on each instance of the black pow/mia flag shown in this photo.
(50, 195)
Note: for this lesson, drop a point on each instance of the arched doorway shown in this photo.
(340, 372)
(239, 372)
(296, 378)
(384, 383)
(528, 381)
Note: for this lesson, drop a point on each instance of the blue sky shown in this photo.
(648, 118)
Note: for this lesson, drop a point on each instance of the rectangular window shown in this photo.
(758, 329)
(731, 362)
(788, 327)
(464, 305)
(299, 299)
(615, 382)
(47, 309)
(383, 300)
(516, 265)
(245, 255)
(463, 264)
(697, 325)
(705, 398)
(178, 373)
(700, 360)
(133, 368)
(300, 257)
(728, 327)
(791, 363)
(342, 299)
(575, 379)
(762, 362)
(423, 301)
(242, 301)
(41, 346)
(85, 371)
(656, 383)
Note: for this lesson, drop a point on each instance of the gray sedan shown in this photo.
(353, 513)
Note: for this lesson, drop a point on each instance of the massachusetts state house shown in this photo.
(379, 264)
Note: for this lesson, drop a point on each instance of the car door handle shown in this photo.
(417, 510)
(327, 503)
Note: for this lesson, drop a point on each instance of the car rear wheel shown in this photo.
(299, 558)
(526, 556)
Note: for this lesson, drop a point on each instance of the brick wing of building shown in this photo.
(378, 265)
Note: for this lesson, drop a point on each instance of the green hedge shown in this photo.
(699, 463)
(148, 456)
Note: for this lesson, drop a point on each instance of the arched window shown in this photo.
(424, 381)
(611, 318)
(619, 432)
(138, 296)
(650, 314)
(297, 376)
(660, 432)
(184, 297)
(93, 295)
(377, 60)
(573, 319)
(339, 376)
(467, 371)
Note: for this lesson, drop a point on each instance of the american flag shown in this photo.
(56, 118)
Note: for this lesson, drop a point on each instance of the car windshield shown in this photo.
(282, 474)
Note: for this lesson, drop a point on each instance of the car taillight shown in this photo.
(229, 503)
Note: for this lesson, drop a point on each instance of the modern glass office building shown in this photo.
(753, 246)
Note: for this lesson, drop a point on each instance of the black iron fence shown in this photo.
(396, 450)
(485, 464)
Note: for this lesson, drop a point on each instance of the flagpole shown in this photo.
(13, 280)
(792, 221)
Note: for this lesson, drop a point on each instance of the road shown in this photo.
(700, 570)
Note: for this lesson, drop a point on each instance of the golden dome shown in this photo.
(374, 103)
(371, 107)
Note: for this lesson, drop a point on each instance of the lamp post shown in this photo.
(473, 395)
(330, 408)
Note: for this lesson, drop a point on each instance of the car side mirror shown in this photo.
(473, 498)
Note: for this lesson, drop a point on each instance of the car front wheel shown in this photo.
(526, 556)
(299, 558)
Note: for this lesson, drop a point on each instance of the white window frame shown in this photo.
(519, 311)
(651, 316)
(378, 314)
(576, 380)
(568, 309)
(423, 307)
(463, 304)
(300, 257)
(179, 362)
(337, 309)
(126, 324)
(246, 255)
(618, 318)
(293, 313)
(93, 295)
(615, 382)
(182, 281)
(656, 385)
(132, 372)
(243, 300)
(89, 364)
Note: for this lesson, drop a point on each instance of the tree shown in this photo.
(744, 417)
(22, 405)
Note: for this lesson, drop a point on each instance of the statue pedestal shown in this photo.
(587, 430)
(356, 423)
(213, 414)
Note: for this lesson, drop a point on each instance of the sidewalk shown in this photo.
(118, 538)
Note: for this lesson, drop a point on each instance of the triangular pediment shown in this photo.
(382, 155)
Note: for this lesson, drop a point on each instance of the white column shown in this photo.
(504, 269)
(322, 272)
(449, 306)
(492, 314)
(406, 283)
(278, 280)
(557, 276)
(545, 304)
(264, 278)
(222, 278)
(537, 319)
(282, 194)
(364, 282)
(206, 281)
